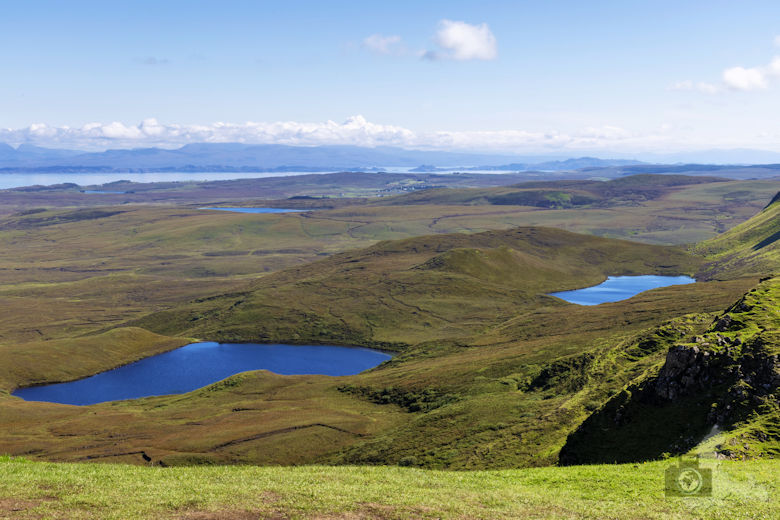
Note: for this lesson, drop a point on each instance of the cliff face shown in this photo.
(751, 376)
(728, 377)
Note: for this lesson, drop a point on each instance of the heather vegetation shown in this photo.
(489, 373)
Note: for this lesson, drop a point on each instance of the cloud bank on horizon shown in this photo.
(356, 131)
(526, 77)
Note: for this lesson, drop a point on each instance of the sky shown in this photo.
(612, 77)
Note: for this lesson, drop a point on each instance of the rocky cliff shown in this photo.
(726, 379)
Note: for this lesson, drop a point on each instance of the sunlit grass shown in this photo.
(741, 490)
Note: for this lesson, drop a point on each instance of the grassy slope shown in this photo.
(67, 272)
(34, 490)
(419, 289)
(470, 404)
(747, 249)
(94, 353)
(434, 390)
(258, 417)
(734, 388)
(142, 257)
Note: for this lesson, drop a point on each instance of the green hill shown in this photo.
(723, 380)
(480, 381)
(419, 289)
(749, 249)
(720, 386)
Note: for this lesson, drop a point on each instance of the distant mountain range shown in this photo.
(242, 157)
(237, 157)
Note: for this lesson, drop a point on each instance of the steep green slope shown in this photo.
(749, 249)
(726, 378)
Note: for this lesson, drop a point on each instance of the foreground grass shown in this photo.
(47, 490)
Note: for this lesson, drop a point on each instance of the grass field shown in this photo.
(745, 490)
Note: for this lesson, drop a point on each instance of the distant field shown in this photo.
(72, 271)
(744, 490)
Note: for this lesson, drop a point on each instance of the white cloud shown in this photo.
(356, 130)
(383, 44)
(740, 78)
(755, 78)
(459, 41)
(773, 69)
(708, 88)
(463, 41)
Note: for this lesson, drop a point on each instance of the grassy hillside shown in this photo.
(720, 386)
(74, 358)
(419, 289)
(723, 380)
(69, 272)
(747, 490)
(750, 248)
(472, 385)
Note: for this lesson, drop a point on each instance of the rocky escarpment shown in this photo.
(728, 377)
(749, 373)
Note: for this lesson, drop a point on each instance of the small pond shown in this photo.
(200, 364)
(259, 210)
(617, 288)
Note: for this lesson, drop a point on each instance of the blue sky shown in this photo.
(617, 76)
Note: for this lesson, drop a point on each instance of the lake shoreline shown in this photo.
(200, 364)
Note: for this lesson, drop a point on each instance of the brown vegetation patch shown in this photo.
(232, 515)
(20, 508)
(373, 511)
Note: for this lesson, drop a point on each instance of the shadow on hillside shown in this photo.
(767, 241)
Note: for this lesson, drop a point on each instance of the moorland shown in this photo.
(489, 373)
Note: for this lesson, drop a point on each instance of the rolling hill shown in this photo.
(419, 289)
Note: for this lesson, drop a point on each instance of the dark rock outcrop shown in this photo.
(726, 377)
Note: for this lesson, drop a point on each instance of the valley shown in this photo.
(489, 371)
